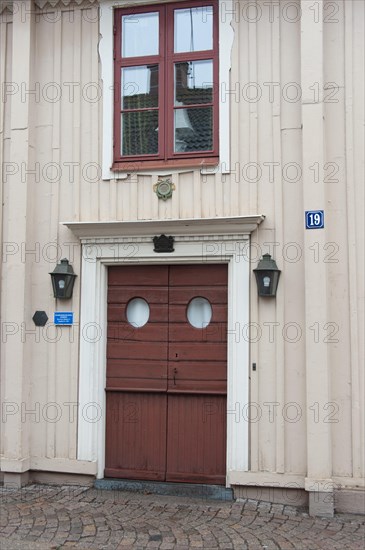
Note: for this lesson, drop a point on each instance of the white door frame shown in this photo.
(194, 243)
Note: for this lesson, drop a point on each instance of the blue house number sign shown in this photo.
(314, 219)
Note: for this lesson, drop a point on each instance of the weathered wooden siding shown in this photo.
(67, 133)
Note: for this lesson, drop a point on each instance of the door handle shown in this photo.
(175, 373)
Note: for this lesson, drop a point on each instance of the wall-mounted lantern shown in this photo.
(267, 276)
(63, 278)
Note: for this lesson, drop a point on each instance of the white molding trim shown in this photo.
(65, 3)
(180, 227)
(229, 247)
(14, 465)
(267, 479)
(349, 482)
(226, 37)
(45, 4)
(106, 61)
(63, 465)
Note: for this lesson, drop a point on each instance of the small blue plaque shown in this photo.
(314, 219)
(63, 318)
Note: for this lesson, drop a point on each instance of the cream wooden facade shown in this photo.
(296, 112)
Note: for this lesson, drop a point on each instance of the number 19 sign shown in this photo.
(314, 219)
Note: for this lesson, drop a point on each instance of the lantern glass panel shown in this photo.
(267, 276)
(63, 285)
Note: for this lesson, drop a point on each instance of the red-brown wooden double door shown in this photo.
(167, 380)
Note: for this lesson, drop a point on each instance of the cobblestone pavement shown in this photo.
(47, 517)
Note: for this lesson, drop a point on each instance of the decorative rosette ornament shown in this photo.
(164, 189)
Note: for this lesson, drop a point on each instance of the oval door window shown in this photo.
(138, 312)
(199, 312)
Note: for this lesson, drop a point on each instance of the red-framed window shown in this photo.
(166, 81)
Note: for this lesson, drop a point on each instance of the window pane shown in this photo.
(193, 129)
(199, 312)
(140, 34)
(138, 312)
(140, 87)
(193, 82)
(193, 29)
(140, 133)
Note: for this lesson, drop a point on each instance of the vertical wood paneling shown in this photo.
(279, 236)
(197, 202)
(145, 196)
(139, 418)
(186, 192)
(3, 62)
(337, 266)
(68, 154)
(359, 143)
(241, 114)
(255, 378)
(354, 48)
(77, 42)
(251, 59)
(268, 424)
(46, 231)
(219, 195)
(83, 68)
(57, 361)
(264, 64)
(133, 197)
(91, 100)
(5, 110)
(208, 197)
(176, 206)
(198, 454)
(318, 389)
(292, 277)
(230, 92)
(16, 272)
(245, 49)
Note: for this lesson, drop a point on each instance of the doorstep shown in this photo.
(195, 490)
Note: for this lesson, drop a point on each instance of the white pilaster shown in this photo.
(319, 455)
(15, 296)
